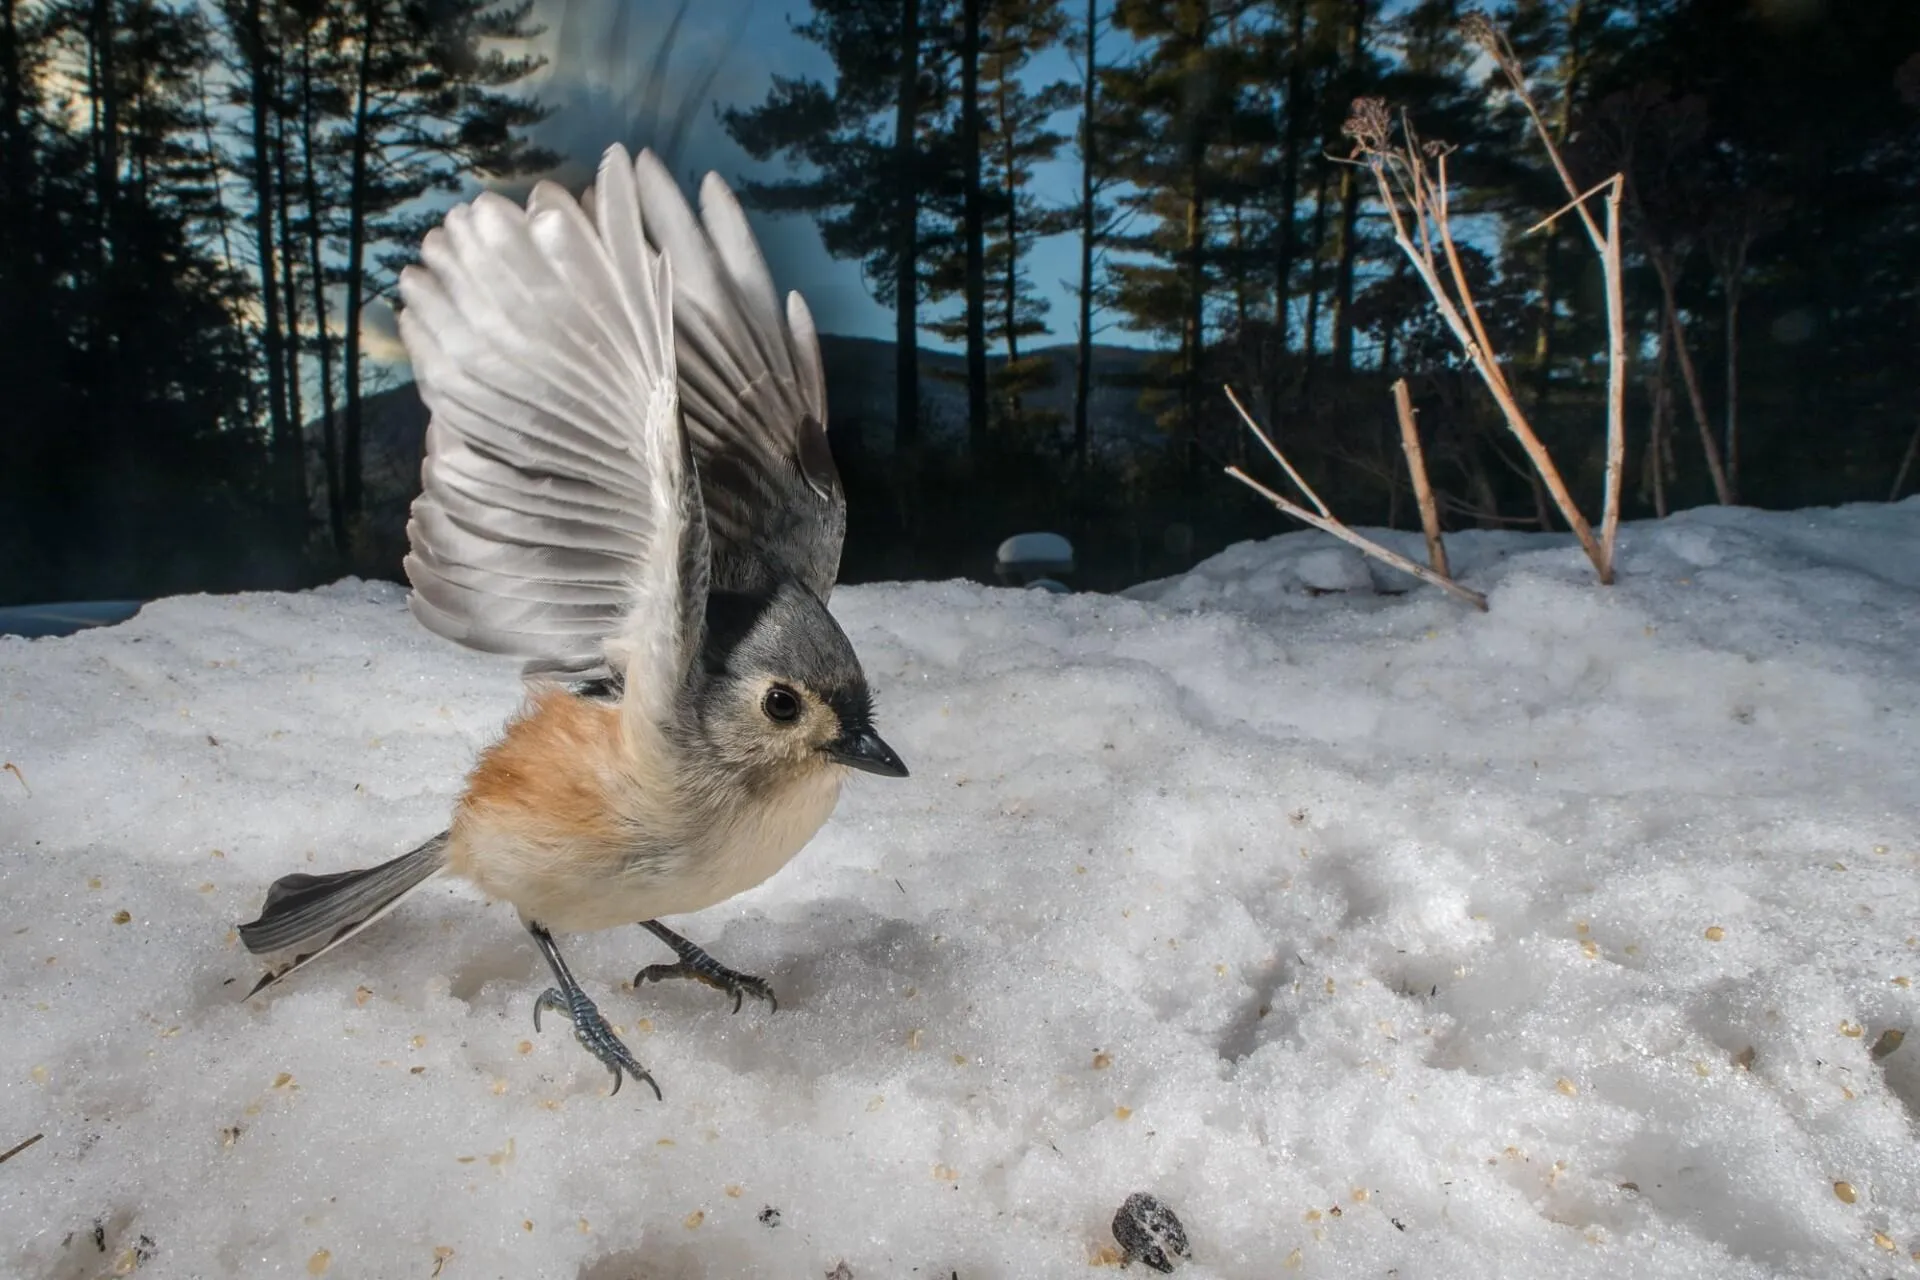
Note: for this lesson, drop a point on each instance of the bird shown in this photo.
(627, 484)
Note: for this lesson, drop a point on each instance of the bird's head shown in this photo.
(785, 694)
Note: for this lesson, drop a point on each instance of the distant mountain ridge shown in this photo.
(860, 399)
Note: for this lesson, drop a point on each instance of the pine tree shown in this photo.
(999, 304)
(1090, 219)
(132, 465)
(1177, 104)
(862, 141)
(430, 106)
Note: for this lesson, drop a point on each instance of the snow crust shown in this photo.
(1372, 935)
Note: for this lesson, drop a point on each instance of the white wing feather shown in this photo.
(559, 519)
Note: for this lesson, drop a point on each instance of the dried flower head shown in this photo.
(1478, 29)
(1368, 124)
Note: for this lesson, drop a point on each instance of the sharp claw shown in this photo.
(737, 985)
(596, 1037)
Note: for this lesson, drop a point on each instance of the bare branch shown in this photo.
(1616, 382)
(1417, 467)
(1326, 522)
(1580, 199)
(1913, 451)
(1298, 480)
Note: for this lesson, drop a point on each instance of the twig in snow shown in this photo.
(1326, 521)
(1417, 466)
(1906, 465)
(17, 1148)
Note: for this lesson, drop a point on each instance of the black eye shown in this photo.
(781, 703)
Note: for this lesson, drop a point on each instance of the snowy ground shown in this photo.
(1375, 936)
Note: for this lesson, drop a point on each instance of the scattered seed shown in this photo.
(1101, 1061)
(1149, 1232)
(1890, 1039)
(122, 917)
(694, 1219)
(526, 1224)
(1844, 1190)
(1566, 1086)
(1715, 933)
(282, 1080)
(1121, 1113)
(317, 1265)
(1851, 1030)
(1884, 1240)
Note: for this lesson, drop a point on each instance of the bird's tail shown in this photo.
(302, 910)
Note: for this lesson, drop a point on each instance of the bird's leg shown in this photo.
(589, 1028)
(701, 967)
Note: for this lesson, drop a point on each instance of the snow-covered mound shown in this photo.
(1372, 935)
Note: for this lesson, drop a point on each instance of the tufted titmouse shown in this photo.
(627, 483)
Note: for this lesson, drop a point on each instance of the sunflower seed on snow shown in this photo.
(1147, 1231)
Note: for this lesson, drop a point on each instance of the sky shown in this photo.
(597, 86)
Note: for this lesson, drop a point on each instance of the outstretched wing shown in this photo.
(753, 392)
(560, 518)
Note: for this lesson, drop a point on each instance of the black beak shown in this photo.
(862, 749)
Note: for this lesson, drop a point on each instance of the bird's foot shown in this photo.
(593, 1033)
(695, 963)
(718, 976)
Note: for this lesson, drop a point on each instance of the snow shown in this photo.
(1370, 934)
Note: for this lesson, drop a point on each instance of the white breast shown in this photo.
(572, 886)
(754, 842)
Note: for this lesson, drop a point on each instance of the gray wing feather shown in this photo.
(560, 517)
(752, 390)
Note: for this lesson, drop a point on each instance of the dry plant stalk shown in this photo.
(1417, 202)
(1913, 444)
(1417, 467)
(1328, 523)
(1481, 30)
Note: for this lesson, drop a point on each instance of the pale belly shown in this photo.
(573, 889)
